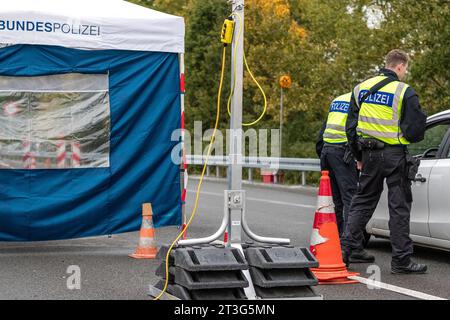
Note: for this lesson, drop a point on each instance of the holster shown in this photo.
(369, 144)
(348, 155)
(407, 181)
(412, 166)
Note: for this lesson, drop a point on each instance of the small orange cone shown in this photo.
(146, 248)
(325, 242)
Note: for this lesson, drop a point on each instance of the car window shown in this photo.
(429, 146)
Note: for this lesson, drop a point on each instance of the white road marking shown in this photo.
(404, 291)
(260, 200)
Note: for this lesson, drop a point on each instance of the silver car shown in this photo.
(430, 214)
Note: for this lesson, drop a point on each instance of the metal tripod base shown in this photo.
(234, 200)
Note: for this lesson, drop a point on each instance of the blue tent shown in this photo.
(87, 111)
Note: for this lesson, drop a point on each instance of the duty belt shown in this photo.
(335, 145)
(374, 144)
(370, 144)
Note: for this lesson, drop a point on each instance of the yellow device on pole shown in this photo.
(226, 36)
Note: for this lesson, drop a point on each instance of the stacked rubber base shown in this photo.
(204, 273)
(281, 272)
(216, 272)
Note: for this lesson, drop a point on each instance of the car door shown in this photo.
(430, 151)
(427, 150)
(419, 209)
(439, 195)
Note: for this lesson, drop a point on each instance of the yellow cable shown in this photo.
(197, 197)
(263, 113)
(251, 75)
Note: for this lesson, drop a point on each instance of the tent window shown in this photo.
(54, 122)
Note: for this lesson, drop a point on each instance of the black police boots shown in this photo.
(361, 256)
(411, 268)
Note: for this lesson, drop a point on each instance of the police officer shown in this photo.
(385, 116)
(335, 156)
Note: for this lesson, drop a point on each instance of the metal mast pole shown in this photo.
(235, 166)
(234, 198)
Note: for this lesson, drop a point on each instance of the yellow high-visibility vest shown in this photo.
(337, 117)
(379, 114)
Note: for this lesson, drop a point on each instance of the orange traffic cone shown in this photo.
(146, 248)
(325, 242)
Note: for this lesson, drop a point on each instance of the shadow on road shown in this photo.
(384, 246)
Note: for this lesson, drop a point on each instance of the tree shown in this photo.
(423, 29)
(176, 7)
(326, 46)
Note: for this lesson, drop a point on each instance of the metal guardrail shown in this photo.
(273, 164)
(301, 165)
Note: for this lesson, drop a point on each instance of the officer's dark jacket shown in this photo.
(319, 141)
(412, 120)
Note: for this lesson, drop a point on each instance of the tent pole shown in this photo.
(183, 163)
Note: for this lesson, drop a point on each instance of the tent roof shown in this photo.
(90, 24)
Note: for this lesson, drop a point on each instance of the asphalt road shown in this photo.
(39, 270)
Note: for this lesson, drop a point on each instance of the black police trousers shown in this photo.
(390, 164)
(343, 178)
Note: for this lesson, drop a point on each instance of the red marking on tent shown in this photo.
(61, 154)
(60, 158)
(26, 156)
(76, 154)
(182, 83)
(182, 121)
